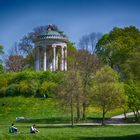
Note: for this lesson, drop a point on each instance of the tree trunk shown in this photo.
(84, 110)
(78, 111)
(72, 117)
(103, 117)
(137, 111)
(124, 111)
(135, 114)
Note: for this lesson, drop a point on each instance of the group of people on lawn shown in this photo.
(13, 129)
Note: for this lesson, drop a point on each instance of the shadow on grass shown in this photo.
(46, 120)
(128, 137)
(61, 120)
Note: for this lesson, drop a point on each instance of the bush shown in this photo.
(29, 83)
(27, 88)
(12, 90)
(3, 91)
(47, 88)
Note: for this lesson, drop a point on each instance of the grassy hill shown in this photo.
(33, 109)
(39, 110)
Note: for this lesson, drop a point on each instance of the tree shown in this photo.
(116, 47)
(1, 52)
(107, 92)
(15, 63)
(132, 66)
(68, 93)
(87, 63)
(133, 92)
(26, 43)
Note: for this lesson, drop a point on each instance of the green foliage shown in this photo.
(115, 48)
(27, 89)
(30, 83)
(1, 49)
(107, 89)
(47, 88)
(4, 79)
(3, 91)
(107, 92)
(133, 93)
(12, 90)
(1, 66)
(132, 66)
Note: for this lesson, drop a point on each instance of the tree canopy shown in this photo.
(118, 45)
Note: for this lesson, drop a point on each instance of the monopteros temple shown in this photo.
(51, 50)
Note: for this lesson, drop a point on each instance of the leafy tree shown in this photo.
(132, 66)
(1, 52)
(107, 92)
(133, 93)
(115, 47)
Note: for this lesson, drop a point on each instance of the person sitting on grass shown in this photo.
(33, 129)
(13, 129)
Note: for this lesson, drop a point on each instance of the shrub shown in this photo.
(27, 88)
(3, 91)
(12, 90)
(47, 88)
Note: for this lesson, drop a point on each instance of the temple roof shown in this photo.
(51, 34)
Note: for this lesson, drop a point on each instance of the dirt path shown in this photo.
(122, 115)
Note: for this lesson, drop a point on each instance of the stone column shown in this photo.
(54, 58)
(48, 63)
(62, 58)
(65, 62)
(37, 58)
(44, 59)
(57, 60)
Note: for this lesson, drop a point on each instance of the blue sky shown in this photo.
(74, 17)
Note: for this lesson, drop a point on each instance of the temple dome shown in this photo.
(51, 34)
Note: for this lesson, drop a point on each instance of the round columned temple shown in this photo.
(51, 50)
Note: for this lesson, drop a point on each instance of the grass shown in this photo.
(37, 110)
(76, 133)
(45, 112)
(32, 109)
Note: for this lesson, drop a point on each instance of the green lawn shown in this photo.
(46, 112)
(37, 110)
(76, 133)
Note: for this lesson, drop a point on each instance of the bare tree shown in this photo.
(15, 63)
(14, 60)
(26, 43)
(88, 63)
(69, 92)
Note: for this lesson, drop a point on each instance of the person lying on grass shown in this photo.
(13, 129)
(33, 129)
